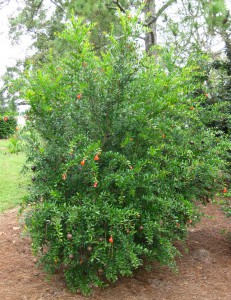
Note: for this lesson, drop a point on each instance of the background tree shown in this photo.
(43, 19)
(152, 14)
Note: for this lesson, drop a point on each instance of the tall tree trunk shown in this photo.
(228, 53)
(151, 35)
(152, 16)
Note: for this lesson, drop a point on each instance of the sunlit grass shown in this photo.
(12, 182)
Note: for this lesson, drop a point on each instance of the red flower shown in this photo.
(225, 190)
(79, 96)
(111, 240)
(96, 157)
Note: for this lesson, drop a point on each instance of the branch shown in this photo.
(33, 13)
(164, 7)
(116, 2)
(160, 11)
(57, 5)
(153, 20)
(37, 7)
(110, 7)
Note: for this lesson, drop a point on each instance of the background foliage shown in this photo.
(8, 126)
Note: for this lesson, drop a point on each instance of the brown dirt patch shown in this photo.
(204, 272)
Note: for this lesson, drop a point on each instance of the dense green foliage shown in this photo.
(221, 93)
(7, 126)
(119, 156)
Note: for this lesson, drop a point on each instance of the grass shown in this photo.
(12, 183)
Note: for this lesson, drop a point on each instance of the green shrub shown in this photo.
(119, 156)
(7, 126)
(15, 144)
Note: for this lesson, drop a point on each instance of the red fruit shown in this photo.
(82, 162)
(79, 96)
(111, 240)
(225, 190)
(5, 119)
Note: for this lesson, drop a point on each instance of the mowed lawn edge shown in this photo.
(13, 184)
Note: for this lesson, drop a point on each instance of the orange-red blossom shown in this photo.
(96, 156)
(82, 162)
(111, 240)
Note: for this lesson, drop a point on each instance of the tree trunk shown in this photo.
(151, 35)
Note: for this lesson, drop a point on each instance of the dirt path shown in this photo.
(204, 272)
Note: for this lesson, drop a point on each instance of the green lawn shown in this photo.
(12, 183)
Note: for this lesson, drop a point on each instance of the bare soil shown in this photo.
(204, 271)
